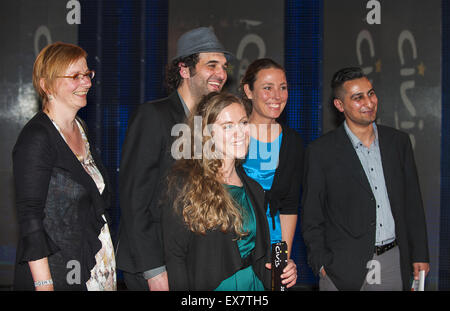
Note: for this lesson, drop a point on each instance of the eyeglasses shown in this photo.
(79, 76)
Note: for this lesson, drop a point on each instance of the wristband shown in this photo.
(42, 283)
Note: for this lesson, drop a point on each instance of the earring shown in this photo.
(50, 97)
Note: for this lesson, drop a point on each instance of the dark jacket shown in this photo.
(59, 207)
(202, 262)
(285, 192)
(146, 159)
(339, 208)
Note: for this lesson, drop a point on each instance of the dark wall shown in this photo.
(246, 30)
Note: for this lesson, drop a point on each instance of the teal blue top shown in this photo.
(245, 279)
(261, 164)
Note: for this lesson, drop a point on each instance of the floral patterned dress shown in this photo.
(103, 274)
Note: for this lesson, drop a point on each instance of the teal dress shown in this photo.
(245, 279)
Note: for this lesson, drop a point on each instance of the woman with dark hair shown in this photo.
(62, 191)
(214, 228)
(275, 157)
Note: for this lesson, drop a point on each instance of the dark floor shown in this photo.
(121, 287)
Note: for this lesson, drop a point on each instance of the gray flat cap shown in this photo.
(199, 40)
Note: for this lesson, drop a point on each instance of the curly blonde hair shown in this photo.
(202, 200)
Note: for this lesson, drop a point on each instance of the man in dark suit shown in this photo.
(362, 218)
(198, 69)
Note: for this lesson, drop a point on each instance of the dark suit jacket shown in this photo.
(339, 209)
(59, 207)
(202, 262)
(146, 159)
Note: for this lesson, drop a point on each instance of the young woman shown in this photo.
(214, 227)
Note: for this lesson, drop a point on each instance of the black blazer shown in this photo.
(285, 192)
(59, 207)
(202, 262)
(339, 209)
(146, 159)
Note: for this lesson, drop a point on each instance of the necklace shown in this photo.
(79, 157)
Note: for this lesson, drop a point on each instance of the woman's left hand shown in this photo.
(289, 275)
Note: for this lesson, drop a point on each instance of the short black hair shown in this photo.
(339, 78)
(343, 75)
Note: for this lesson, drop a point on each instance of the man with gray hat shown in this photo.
(198, 68)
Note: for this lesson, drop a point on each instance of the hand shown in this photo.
(289, 275)
(418, 266)
(159, 282)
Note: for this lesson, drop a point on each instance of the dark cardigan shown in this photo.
(284, 195)
(59, 207)
(202, 262)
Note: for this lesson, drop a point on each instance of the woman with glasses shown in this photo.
(62, 191)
